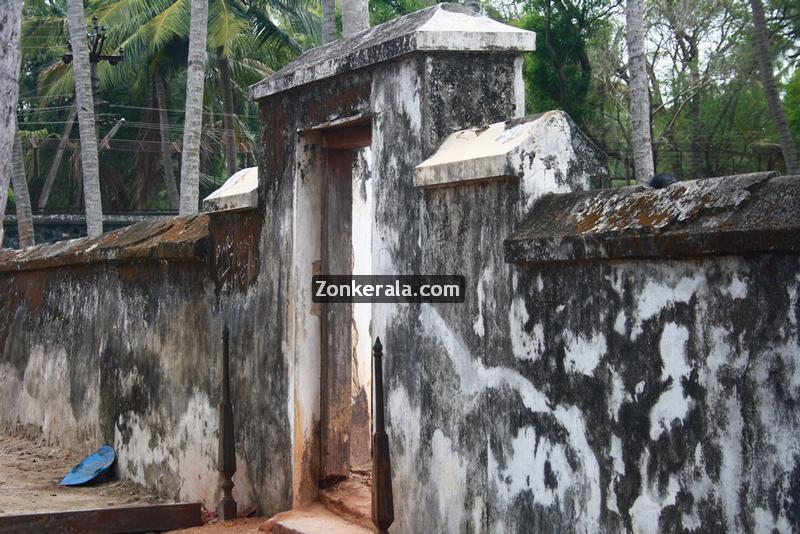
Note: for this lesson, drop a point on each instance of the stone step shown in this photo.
(351, 499)
(313, 519)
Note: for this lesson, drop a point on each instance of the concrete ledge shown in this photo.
(51, 226)
(739, 215)
(448, 27)
(178, 238)
(480, 154)
(239, 192)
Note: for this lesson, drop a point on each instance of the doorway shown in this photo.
(345, 352)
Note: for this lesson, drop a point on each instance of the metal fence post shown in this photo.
(227, 454)
(382, 500)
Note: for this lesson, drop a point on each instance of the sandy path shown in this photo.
(242, 525)
(29, 475)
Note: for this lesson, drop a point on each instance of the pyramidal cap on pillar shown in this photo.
(443, 27)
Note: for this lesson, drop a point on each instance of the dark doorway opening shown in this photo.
(345, 419)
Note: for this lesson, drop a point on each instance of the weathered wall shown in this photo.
(124, 347)
(394, 97)
(601, 396)
(612, 397)
(578, 396)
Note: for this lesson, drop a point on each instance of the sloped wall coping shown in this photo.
(240, 191)
(505, 150)
(177, 238)
(729, 215)
(442, 27)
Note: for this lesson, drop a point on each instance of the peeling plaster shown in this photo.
(474, 377)
(658, 295)
(672, 404)
(189, 450)
(583, 355)
(450, 477)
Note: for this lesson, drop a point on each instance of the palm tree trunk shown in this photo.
(328, 21)
(228, 137)
(86, 120)
(5, 180)
(166, 152)
(44, 196)
(193, 125)
(355, 16)
(21, 197)
(639, 96)
(696, 128)
(11, 16)
(764, 58)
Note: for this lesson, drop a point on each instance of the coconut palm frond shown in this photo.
(228, 22)
(300, 17)
(245, 72)
(267, 31)
(55, 82)
(27, 135)
(125, 17)
(146, 40)
(171, 23)
(304, 17)
(274, 53)
(44, 31)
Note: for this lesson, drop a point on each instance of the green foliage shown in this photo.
(559, 75)
(257, 36)
(381, 11)
(792, 105)
(716, 112)
(708, 111)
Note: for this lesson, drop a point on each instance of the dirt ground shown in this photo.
(243, 525)
(29, 475)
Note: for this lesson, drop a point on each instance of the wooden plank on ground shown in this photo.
(111, 520)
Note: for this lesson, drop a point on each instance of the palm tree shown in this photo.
(86, 120)
(328, 21)
(764, 59)
(166, 154)
(11, 12)
(22, 199)
(232, 22)
(192, 128)
(639, 95)
(239, 28)
(355, 16)
(44, 195)
(251, 38)
(228, 135)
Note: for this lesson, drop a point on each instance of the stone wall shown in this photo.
(117, 339)
(53, 227)
(591, 391)
(623, 359)
(419, 99)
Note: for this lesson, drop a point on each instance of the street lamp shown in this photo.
(96, 38)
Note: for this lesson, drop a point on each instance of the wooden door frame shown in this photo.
(339, 145)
